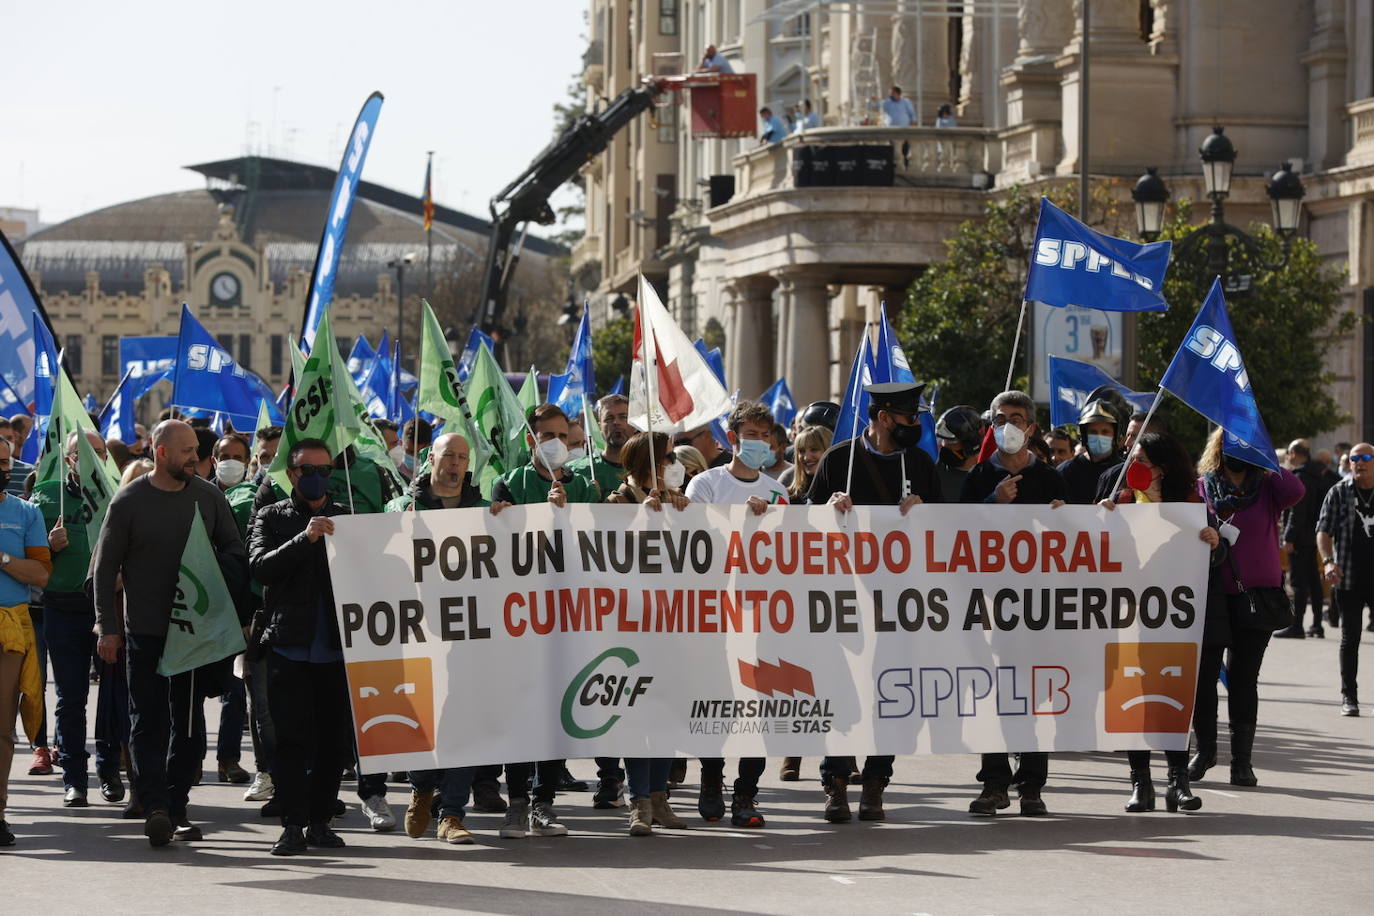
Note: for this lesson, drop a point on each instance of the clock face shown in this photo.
(224, 288)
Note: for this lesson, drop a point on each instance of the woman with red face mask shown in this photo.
(1161, 471)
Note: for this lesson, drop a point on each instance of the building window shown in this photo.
(109, 355)
(73, 356)
(666, 119)
(245, 357)
(667, 17)
(226, 343)
(275, 355)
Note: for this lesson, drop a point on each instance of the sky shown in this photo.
(108, 102)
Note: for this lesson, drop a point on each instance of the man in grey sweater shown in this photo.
(143, 537)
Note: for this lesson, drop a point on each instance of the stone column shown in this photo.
(1326, 66)
(807, 359)
(1031, 89)
(749, 363)
(920, 62)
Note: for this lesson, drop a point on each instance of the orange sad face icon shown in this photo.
(393, 705)
(1150, 686)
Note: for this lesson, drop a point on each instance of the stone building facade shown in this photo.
(792, 271)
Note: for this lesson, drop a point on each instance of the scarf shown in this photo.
(1226, 499)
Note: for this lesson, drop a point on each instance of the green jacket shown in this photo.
(69, 565)
(597, 470)
(523, 486)
(373, 488)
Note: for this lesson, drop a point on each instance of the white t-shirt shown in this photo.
(718, 485)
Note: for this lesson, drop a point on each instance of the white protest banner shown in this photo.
(543, 633)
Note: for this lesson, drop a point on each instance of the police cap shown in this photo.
(900, 397)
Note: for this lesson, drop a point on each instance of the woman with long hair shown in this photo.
(648, 458)
(807, 448)
(1247, 501)
(1162, 472)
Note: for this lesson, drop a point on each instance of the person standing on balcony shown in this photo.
(712, 61)
(944, 116)
(773, 128)
(897, 111)
(809, 119)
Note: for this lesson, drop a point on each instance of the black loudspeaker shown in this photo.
(877, 166)
(801, 167)
(722, 189)
(822, 166)
(847, 165)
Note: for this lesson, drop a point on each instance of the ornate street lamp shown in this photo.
(1218, 156)
(1150, 194)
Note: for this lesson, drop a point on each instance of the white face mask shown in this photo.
(674, 475)
(1009, 439)
(576, 454)
(397, 454)
(229, 472)
(553, 454)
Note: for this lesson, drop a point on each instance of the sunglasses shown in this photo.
(323, 470)
(1361, 458)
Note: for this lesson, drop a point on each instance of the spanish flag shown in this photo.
(428, 199)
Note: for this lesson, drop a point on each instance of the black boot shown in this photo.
(1178, 795)
(1242, 743)
(1142, 791)
(1202, 761)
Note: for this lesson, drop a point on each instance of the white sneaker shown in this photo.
(261, 788)
(379, 813)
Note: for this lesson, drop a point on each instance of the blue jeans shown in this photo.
(647, 775)
(260, 717)
(164, 740)
(68, 631)
(454, 785)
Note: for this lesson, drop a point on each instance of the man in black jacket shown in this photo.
(307, 690)
(1013, 474)
(1299, 536)
(1100, 425)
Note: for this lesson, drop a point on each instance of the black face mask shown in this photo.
(1234, 465)
(906, 436)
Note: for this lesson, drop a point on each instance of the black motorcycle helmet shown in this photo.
(962, 424)
(821, 413)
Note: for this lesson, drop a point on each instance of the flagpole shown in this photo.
(1116, 488)
(348, 481)
(646, 331)
(1015, 343)
(854, 399)
(429, 232)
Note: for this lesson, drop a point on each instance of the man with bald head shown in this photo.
(142, 540)
(448, 486)
(1299, 536)
(69, 632)
(1345, 541)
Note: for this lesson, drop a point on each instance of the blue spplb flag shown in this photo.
(206, 376)
(336, 219)
(376, 387)
(713, 359)
(890, 365)
(90, 404)
(578, 378)
(147, 355)
(469, 355)
(361, 358)
(618, 387)
(117, 416)
(778, 399)
(44, 382)
(10, 402)
(1208, 374)
(1071, 381)
(19, 313)
(854, 405)
(1072, 264)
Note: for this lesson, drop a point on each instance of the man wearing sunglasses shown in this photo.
(307, 690)
(1345, 544)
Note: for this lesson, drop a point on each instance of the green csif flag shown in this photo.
(264, 418)
(96, 487)
(204, 627)
(320, 409)
(499, 416)
(441, 393)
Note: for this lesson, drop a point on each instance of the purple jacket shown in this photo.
(1255, 555)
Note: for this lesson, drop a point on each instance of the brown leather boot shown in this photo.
(837, 801)
(871, 801)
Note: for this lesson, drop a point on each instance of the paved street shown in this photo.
(1297, 842)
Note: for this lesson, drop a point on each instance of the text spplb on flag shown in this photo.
(1073, 264)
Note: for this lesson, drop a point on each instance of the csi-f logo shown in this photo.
(1150, 686)
(211, 359)
(191, 598)
(1069, 255)
(1211, 344)
(609, 689)
(393, 705)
